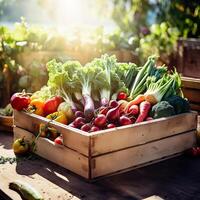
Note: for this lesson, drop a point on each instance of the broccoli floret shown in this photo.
(162, 109)
(180, 104)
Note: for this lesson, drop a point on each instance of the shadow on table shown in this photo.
(177, 178)
(68, 181)
(6, 139)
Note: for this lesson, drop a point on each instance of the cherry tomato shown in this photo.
(121, 96)
(51, 105)
(36, 106)
(20, 146)
(58, 140)
(20, 101)
(194, 152)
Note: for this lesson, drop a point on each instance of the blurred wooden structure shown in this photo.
(188, 64)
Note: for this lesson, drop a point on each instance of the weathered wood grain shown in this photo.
(136, 134)
(72, 138)
(119, 160)
(58, 154)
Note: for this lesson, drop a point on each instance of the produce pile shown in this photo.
(104, 94)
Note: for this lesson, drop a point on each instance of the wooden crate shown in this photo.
(6, 123)
(191, 90)
(93, 155)
(188, 59)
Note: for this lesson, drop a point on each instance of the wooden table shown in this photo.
(174, 179)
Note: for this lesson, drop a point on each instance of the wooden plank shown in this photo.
(127, 158)
(60, 155)
(123, 137)
(195, 107)
(154, 197)
(72, 138)
(192, 95)
(188, 82)
(6, 121)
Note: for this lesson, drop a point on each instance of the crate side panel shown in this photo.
(60, 155)
(138, 134)
(71, 138)
(121, 160)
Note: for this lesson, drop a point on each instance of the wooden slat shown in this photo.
(72, 138)
(192, 95)
(6, 121)
(124, 159)
(123, 137)
(189, 82)
(60, 155)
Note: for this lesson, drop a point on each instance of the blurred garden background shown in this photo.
(32, 32)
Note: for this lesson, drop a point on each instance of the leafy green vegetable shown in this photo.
(138, 86)
(168, 85)
(62, 79)
(127, 72)
(180, 104)
(7, 111)
(162, 109)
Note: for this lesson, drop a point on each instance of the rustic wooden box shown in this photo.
(191, 90)
(93, 155)
(188, 59)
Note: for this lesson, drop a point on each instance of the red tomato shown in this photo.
(121, 96)
(51, 105)
(20, 101)
(58, 140)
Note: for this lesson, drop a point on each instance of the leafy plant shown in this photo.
(161, 41)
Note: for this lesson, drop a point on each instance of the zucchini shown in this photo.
(25, 190)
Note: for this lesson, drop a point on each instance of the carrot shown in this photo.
(140, 98)
(144, 111)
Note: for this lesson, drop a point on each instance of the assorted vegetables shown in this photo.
(104, 94)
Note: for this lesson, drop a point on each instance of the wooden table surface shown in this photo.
(174, 179)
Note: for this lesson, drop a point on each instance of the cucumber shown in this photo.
(25, 190)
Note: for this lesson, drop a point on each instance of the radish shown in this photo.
(78, 122)
(86, 127)
(88, 107)
(104, 101)
(148, 119)
(111, 126)
(121, 96)
(103, 110)
(94, 128)
(123, 120)
(145, 107)
(134, 109)
(100, 120)
(113, 103)
(79, 114)
(72, 125)
(113, 114)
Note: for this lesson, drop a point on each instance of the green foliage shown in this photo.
(161, 42)
(183, 14)
(130, 15)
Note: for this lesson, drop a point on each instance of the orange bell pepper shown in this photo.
(36, 106)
